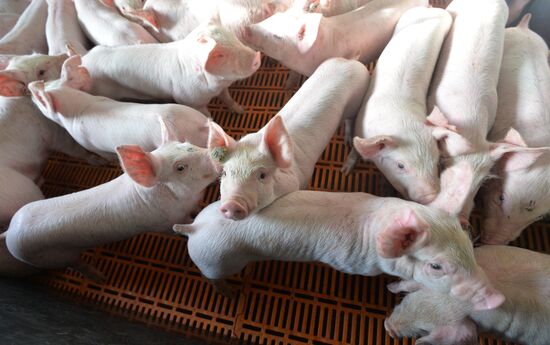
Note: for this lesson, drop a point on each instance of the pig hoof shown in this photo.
(236, 108)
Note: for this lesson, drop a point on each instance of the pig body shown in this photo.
(105, 26)
(521, 275)
(521, 195)
(100, 124)
(7, 22)
(302, 41)
(280, 158)
(158, 189)
(13, 6)
(28, 35)
(308, 226)
(464, 89)
(391, 125)
(26, 141)
(191, 71)
(329, 8)
(62, 28)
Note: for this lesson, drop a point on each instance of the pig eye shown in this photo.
(41, 73)
(400, 165)
(531, 206)
(500, 200)
(436, 267)
(263, 176)
(180, 167)
(277, 37)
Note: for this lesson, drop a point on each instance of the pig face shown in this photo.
(434, 251)
(22, 70)
(224, 56)
(519, 197)
(182, 168)
(254, 174)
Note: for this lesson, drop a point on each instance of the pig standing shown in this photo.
(464, 88)
(521, 195)
(158, 189)
(391, 127)
(28, 35)
(355, 233)
(523, 278)
(191, 71)
(280, 158)
(62, 28)
(302, 41)
(100, 124)
(104, 25)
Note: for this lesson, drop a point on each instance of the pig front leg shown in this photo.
(230, 103)
(461, 333)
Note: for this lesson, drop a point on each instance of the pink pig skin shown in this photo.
(104, 25)
(521, 275)
(356, 233)
(191, 71)
(302, 41)
(521, 194)
(100, 124)
(159, 189)
(391, 127)
(280, 158)
(28, 35)
(62, 28)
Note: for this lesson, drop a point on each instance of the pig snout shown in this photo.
(423, 194)
(232, 209)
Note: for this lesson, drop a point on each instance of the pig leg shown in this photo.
(90, 272)
(230, 103)
(351, 161)
(17, 191)
(292, 80)
(64, 143)
(462, 333)
(223, 288)
(348, 131)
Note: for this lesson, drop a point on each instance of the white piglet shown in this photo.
(100, 124)
(191, 71)
(391, 127)
(28, 35)
(376, 235)
(280, 158)
(159, 189)
(63, 28)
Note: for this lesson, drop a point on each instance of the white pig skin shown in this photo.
(280, 158)
(302, 41)
(100, 124)
(191, 71)
(376, 235)
(521, 194)
(28, 35)
(134, 11)
(391, 127)
(63, 28)
(104, 25)
(158, 189)
(328, 8)
(14, 6)
(521, 275)
(7, 22)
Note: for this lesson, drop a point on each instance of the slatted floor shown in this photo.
(152, 279)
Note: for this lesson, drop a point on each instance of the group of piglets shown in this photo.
(455, 104)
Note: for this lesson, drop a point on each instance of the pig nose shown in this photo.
(257, 61)
(233, 210)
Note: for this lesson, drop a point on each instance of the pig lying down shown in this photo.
(377, 235)
(191, 71)
(521, 275)
(281, 157)
(521, 194)
(302, 41)
(100, 124)
(158, 189)
(391, 127)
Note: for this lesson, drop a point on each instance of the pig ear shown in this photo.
(438, 119)
(491, 299)
(74, 75)
(138, 164)
(369, 148)
(215, 17)
(524, 22)
(41, 98)
(218, 138)
(450, 142)
(12, 83)
(516, 153)
(145, 17)
(216, 57)
(108, 3)
(277, 142)
(308, 31)
(404, 233)
(5, 61)
(71, 51)
(168, 131)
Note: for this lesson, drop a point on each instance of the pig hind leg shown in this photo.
(17, 190)
(462, 333)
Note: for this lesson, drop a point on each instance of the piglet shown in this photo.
(100, 124)
(103, 24)
(302, 41)
(376, 235)
(62, 28)
(158, 189)
(280, 158)
(523, 278)
(28, 35)
(391, 128)
(521, 194)
(191, 71)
